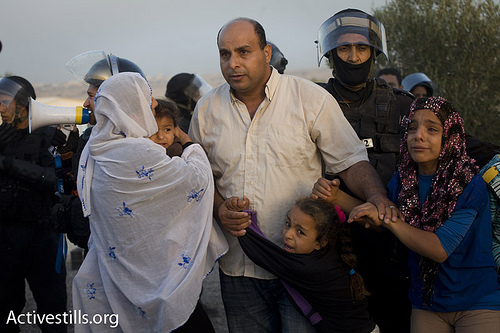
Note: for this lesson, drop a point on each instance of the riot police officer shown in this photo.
(28, 239)
(351, 40)
(185, 89)
(420, 85)
(93, 68)
(278, 59)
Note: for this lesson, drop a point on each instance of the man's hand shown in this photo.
(234, 222)
(236, 204)
(387, 210)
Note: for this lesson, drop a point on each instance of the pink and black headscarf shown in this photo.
(454, 171)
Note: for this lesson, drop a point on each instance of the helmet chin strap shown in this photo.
(17, 118)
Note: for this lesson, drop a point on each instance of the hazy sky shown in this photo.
(163, 37)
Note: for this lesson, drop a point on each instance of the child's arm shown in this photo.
(329, 191)
(423, 242)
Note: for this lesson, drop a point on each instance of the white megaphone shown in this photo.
(45, 115)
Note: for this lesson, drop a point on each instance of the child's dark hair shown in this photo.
(167, 108)
(331, 231)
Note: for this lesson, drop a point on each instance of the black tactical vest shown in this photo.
(20, 200)
(377, 121)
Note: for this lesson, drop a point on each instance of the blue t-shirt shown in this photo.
(467, 279)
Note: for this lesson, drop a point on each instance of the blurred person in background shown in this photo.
(185, 89)
(278, 59)
(420, 85)
(392, 76)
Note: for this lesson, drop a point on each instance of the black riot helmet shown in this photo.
(185, 86)
(278, 59)
(353, 21)
(94, 67)
(16, 88)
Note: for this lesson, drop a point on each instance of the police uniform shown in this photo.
(375, 113)
(28, 240)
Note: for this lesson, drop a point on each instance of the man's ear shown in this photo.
(268, 52)
(21, 109)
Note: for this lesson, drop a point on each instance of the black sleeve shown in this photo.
(293, 268)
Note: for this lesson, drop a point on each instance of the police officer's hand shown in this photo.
(6, 131)
(59, 139)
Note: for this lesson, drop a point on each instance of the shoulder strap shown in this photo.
(491, 175)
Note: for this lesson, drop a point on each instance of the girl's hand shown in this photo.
(326, 189)
(367, 213)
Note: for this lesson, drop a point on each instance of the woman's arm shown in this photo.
(423, 242)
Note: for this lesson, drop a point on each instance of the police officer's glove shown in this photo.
(6, 132)
(71, 144)
(24, 170)
(59, 139)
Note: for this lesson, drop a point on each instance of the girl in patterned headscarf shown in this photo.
(446, 226)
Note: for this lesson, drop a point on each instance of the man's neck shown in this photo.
(252, 101)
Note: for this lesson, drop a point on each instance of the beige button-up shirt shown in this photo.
(275, 157)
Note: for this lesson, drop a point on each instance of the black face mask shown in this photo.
(351, 75)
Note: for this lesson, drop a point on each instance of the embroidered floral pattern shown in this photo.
(90, 290)
(125, 210)
(195, 195)
(143, 173)
(112, 253)
(142, 312)
(186, 261)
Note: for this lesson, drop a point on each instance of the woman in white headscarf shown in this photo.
(153, 240)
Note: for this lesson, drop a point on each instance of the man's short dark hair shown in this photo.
(390, 71)
(257, 27)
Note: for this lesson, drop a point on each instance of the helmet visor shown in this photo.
(197, 88)
(92, 67)
(351, 27)
(8, 91)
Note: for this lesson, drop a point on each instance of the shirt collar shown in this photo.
(270, 89)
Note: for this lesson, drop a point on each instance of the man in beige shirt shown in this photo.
(266, 136)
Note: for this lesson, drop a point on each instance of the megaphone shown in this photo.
(45, 115)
